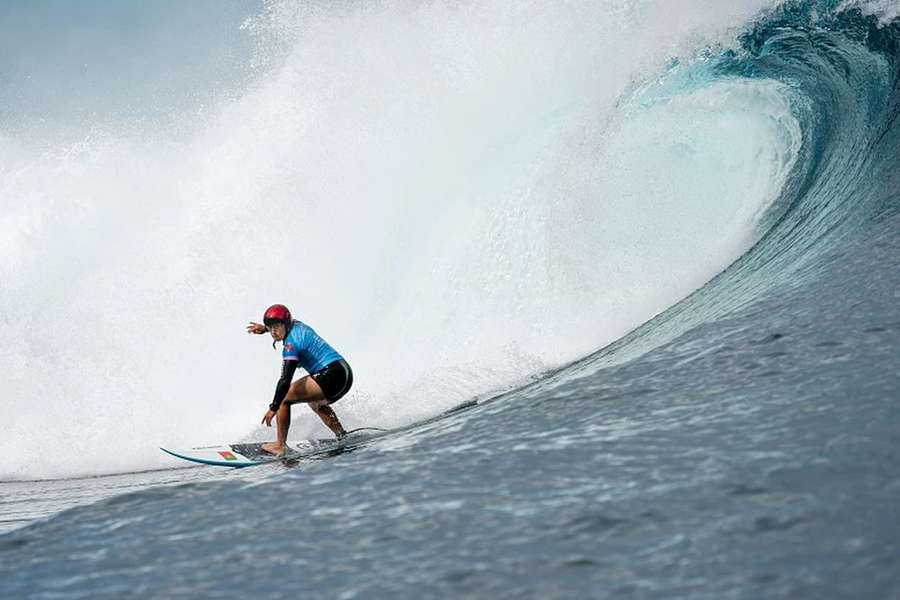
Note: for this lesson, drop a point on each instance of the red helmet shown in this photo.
(277, 313)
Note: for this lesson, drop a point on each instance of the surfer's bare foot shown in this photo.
(273, 448)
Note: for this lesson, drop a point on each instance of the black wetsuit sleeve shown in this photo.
(284, 384)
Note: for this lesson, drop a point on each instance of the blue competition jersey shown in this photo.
(310, 351)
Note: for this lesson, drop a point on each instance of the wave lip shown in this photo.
(836, 71)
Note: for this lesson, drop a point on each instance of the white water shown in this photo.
(455, 197)
(886, 10)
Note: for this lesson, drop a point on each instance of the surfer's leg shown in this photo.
(283, 423)
(326, 413)
(334, 381)
(283, 420)
(304, 389)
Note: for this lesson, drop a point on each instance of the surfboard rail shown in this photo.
(227, 457)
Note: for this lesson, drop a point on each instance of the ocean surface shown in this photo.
(660, 250)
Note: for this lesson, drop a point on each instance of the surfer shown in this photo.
(329, 376)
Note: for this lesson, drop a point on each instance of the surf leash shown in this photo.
(366, 429)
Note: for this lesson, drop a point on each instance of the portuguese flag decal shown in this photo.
(227, 455)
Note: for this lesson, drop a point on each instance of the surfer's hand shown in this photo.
(267, 418)
(257, 328)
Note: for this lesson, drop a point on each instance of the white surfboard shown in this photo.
(246, 455)
(249, 454)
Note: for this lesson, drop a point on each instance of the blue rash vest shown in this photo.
(305, 346)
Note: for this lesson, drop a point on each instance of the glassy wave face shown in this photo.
(662, 253)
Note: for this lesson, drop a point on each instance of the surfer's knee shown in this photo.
(295, 393)
(318, 405)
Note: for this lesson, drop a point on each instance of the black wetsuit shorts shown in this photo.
(335, 379)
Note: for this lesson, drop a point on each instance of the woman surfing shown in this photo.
(330, 377)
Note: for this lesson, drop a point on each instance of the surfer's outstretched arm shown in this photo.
(257, 328)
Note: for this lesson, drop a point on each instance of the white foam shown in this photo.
(887, 11)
